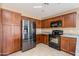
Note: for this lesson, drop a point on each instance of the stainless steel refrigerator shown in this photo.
(28, 34)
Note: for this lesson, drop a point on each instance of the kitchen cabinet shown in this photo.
(11, 23)
(48, 21)
(17, 18)
(0, 17)
(0, 38)
(72, 47)
(7, 40)
(38, 38)
(43, 23)
(68, 44)
(38, 23)
(11, 39)
(17, 38)
(65, 44)
(11, 18)
(45, 39)
(69, 20)
(0, 32)
(7, 17)
(42, 38)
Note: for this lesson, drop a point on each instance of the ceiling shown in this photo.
(40, 13)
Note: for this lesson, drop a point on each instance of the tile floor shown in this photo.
(41, 50)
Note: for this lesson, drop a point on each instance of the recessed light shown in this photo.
(37, 6)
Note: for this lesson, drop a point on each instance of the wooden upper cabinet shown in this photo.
(10, 18)
(48, 21)
(7, 17)
(69, 20)
(43, 23)
(0, 17)
(38, 24)
(17, 18)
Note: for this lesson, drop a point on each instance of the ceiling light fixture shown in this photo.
(37, 6)
(40, 6)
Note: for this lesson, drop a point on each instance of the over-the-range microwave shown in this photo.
(56, 23)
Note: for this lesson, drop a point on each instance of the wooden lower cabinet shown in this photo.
(11, 39)
(42, 38)
(68, 45)
(45, 39)
(7, 40)
(65, 44)
(72, 44)
(0, 39)
(17, 36)
(37, 39)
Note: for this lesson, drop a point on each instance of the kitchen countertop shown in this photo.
(65, 34)
(70, 35)
(44, 33)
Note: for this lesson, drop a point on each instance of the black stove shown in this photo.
(54, 39)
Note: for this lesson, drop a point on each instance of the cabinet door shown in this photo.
(17, 18)
(0, 39)
(37, 39)
(72, 44)
(45, 39)
(38, 24)
(48, 21)
(7, 17)
(7, 40)
(41, 38)
(17, 39)
(69, 20)
(0, 33)
(65, 44)
(0, 17)
(43, 24)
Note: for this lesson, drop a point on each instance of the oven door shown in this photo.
(54, 40)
